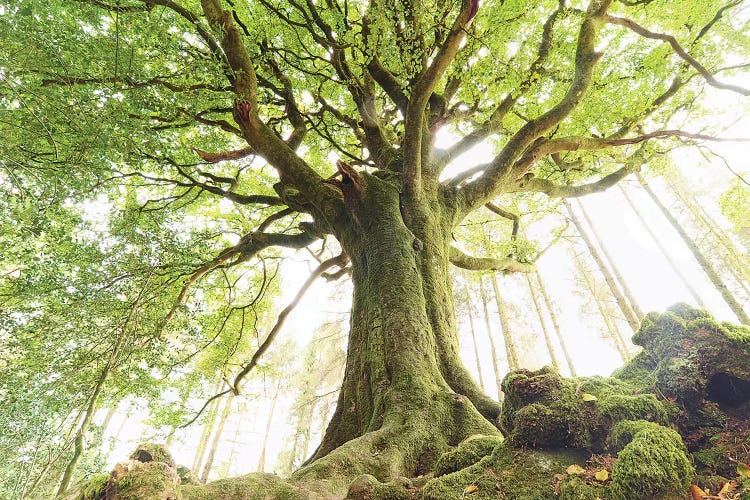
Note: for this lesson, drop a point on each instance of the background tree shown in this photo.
(223, 121)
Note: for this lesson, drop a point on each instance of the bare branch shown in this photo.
(340, 261)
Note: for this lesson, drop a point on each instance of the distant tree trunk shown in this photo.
(502, 311)
(115, 438)
(217, 438)
(108, 418)
(623, 304)
(555, 323)
(543, 323)
(472, 328)
(612, 330)
(208, 428)
(723, 243)
(269, 421)
(702, 260)
(612, 265)
(663, 250)
(493, 348)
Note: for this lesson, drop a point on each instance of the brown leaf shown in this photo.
(743, 470)
(697, 493)
(472, 488)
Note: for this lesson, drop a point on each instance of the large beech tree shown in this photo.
(357, 119)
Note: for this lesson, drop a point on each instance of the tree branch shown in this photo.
(340, 261)
(505, 265)
(681, 52)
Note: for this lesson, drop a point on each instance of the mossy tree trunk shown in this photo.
(406, 395)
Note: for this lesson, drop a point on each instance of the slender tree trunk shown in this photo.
(115, 438)
(217, 439)
(208, 429)
(702, 260)
(624, 306)
(108, 418)
(269, 421)
(502, 311)
(608, 323)
(493, 348)
(472, 328)
(663, 250)
(725, 246)
(543, 323)
(555, 323)
(612, 265)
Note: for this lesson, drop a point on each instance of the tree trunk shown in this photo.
(269, 421)
(502, 312)
(217, 439)
(722, 242)
(470, 313)
(735, 306)
(555, 323)
(543, 323)
(625, 308)
(612, 265)
(208, 429)
(493, 348)
(406, 396)
(608, 323)
(663, 250)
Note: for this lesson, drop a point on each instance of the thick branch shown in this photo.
(500, 173)
(505, 265)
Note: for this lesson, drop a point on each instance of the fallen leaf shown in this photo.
(697, 493)
(472, 488)
(728, 488)
(602, 475)
(575, 469)
(588, 397)
(743, 470)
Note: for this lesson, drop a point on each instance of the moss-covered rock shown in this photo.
(506, 473)
(186, 475)
(468, 452)
(653, 462)
(153, 452)
(256, 486)
(93, 488)
(139, 481)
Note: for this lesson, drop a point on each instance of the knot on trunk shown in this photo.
(351, 185)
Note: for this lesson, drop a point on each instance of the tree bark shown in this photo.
(406, 396)
(555, 323)
(612, 265)
(707, 267)
(625, 308)
(502, 312)
(208, 429)
(543, 323)
(663, 250)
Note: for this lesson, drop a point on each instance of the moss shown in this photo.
(152, 480)
(94, 487)
(367, 487)
(255, 486)
(507, 473)
(153, 452)
(575, 488)
(654, 464)
(714, 461)
(186, 476)
(468, 452)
